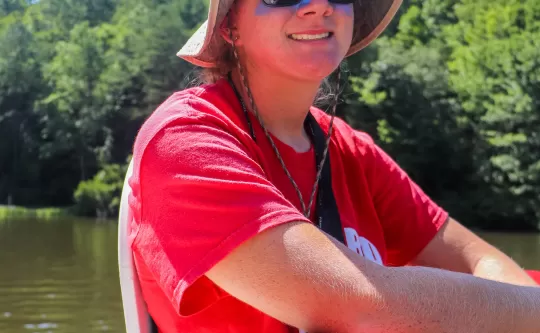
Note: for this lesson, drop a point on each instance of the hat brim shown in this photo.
(205, 45)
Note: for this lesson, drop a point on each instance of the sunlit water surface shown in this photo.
(62, 276)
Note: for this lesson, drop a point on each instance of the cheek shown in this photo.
(261, 28)
(262, 9)
(346, 15)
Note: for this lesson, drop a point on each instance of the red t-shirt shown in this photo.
(201, 186)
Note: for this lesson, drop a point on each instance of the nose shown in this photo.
(314, 7)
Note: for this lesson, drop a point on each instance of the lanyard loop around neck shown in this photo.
(326, 211)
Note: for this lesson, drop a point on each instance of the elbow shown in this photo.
(357, 318)
(358, 308)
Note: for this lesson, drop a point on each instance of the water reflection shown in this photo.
(59, 277)
(62, 276)
(523, 248)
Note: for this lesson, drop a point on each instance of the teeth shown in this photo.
(310, 37)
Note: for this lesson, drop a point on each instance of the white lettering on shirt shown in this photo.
(362, 246)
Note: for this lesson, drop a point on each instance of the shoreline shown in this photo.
(49, 213)
(46, 213)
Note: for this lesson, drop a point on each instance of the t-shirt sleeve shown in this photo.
(201, 195)
(410, 218)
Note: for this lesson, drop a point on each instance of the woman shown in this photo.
(232, 185)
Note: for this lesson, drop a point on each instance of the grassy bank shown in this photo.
(8, 212)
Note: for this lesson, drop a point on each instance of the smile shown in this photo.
(310, 36)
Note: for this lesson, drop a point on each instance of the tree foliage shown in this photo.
(451, 91)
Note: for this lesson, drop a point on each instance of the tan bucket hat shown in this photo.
(202, 49)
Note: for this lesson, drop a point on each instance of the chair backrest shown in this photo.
(135, 313)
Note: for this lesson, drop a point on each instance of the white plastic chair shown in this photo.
(135, 313)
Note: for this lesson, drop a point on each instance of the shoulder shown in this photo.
(212, 105)
(199, 122)
(202, 102)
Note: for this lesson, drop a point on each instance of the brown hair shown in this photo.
(224, 65)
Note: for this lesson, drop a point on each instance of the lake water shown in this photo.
(62, 276)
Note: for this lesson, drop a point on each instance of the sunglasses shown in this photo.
(285, 3)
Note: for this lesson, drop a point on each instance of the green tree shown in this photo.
(20, 83)
(74, 113)
(10, 6)
(450, 91)
(404, 101)
(495, 69)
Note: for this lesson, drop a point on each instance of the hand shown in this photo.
(500, 268)
(457, 249)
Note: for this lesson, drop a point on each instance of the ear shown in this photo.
(227, 30)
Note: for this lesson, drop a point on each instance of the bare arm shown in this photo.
(458, 249)
(304, 278)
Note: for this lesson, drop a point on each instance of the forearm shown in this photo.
(420, 299)
(301, 277)
(503, 269)
(457, 249)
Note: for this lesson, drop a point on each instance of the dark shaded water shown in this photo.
(62, 277)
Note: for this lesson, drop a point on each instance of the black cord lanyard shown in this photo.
(326, 211)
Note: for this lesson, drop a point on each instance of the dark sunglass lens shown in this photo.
(284, 3)
(281, 3)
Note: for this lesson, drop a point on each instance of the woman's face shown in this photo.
(306, 41)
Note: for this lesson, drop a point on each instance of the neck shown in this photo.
(283, 104)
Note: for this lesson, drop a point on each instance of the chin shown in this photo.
(314, 70)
